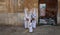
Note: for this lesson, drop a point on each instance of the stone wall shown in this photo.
(11, 18)
(58, 16)
(18, 18)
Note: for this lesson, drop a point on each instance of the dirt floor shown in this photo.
(19, 30)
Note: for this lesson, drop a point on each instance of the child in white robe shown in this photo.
(25, 18)
(34, 18)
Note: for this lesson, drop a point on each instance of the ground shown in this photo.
(19, 30)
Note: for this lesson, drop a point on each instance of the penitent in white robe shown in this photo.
(25, 16)
(28, 16)
(34, 16)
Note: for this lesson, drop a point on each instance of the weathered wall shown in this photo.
(9, 12)
(58, 16)
(17, 18)
(11, 18)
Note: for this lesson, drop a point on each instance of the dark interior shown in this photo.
(51, 9)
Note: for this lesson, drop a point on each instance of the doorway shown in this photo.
(47, 12)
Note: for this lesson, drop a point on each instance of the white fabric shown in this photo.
(34, 16)
(25, 16)
(26, 23)
(34, 23)
(30, 27)
(29, 24)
